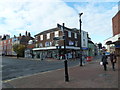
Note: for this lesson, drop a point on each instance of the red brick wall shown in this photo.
(7, 47)
(60, 42)
(116, 24)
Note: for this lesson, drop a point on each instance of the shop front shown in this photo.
(56, 52)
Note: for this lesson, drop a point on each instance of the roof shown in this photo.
(90, 42)
(56, 29)
(47, 31)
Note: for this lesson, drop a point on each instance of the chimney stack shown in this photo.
(26, 33)
(29, 34)
(20, 34)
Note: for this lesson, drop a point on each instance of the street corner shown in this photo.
(7, 85)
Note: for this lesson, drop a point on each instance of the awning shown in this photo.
(112, 40)
(54, 47)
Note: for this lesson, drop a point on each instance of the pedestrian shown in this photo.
(104, 60)
(113, 60)
(32, 55)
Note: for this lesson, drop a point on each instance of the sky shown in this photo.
(35, 16)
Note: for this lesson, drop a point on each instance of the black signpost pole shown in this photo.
(80, 40)
(65, 62)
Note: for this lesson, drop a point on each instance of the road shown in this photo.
(92, 75)
(13, 67)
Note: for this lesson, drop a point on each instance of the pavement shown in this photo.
(91, 75)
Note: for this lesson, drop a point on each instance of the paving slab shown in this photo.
(91, 75)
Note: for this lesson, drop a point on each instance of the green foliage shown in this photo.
(19, 49)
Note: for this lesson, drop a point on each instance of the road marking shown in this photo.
(29, 75)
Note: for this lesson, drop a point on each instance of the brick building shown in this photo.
(22, 39)
(50, 43)
(116, 24)
(6, 44)
(113, 43)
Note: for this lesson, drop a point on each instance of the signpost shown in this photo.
(65, 62)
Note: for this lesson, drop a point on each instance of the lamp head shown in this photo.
(80, 14)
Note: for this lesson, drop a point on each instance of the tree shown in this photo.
(19, 49)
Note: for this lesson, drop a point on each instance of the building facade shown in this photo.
(6, 46)
(50, 43)
(6, 43)
(113, 43)
(28, 51)
(84, 40)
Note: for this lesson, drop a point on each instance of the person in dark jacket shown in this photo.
(17, 56)
(113, 60)
(104, 60)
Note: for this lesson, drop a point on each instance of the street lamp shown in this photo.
(65, 56)
(80, 14)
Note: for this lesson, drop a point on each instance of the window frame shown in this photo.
(75, 35)
(41, 37)
(48, 35)
(56, 33)
(69, 34)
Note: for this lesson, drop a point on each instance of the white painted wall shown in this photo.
(84, 38)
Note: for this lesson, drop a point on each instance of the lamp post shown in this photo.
(65, 62)
(80, 14)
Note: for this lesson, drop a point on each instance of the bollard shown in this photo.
(66, 71)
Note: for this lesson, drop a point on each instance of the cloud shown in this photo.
(35, 16)
(91, 0)
(97, 20)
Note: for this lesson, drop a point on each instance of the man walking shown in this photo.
(104, 60)
(113, 60)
